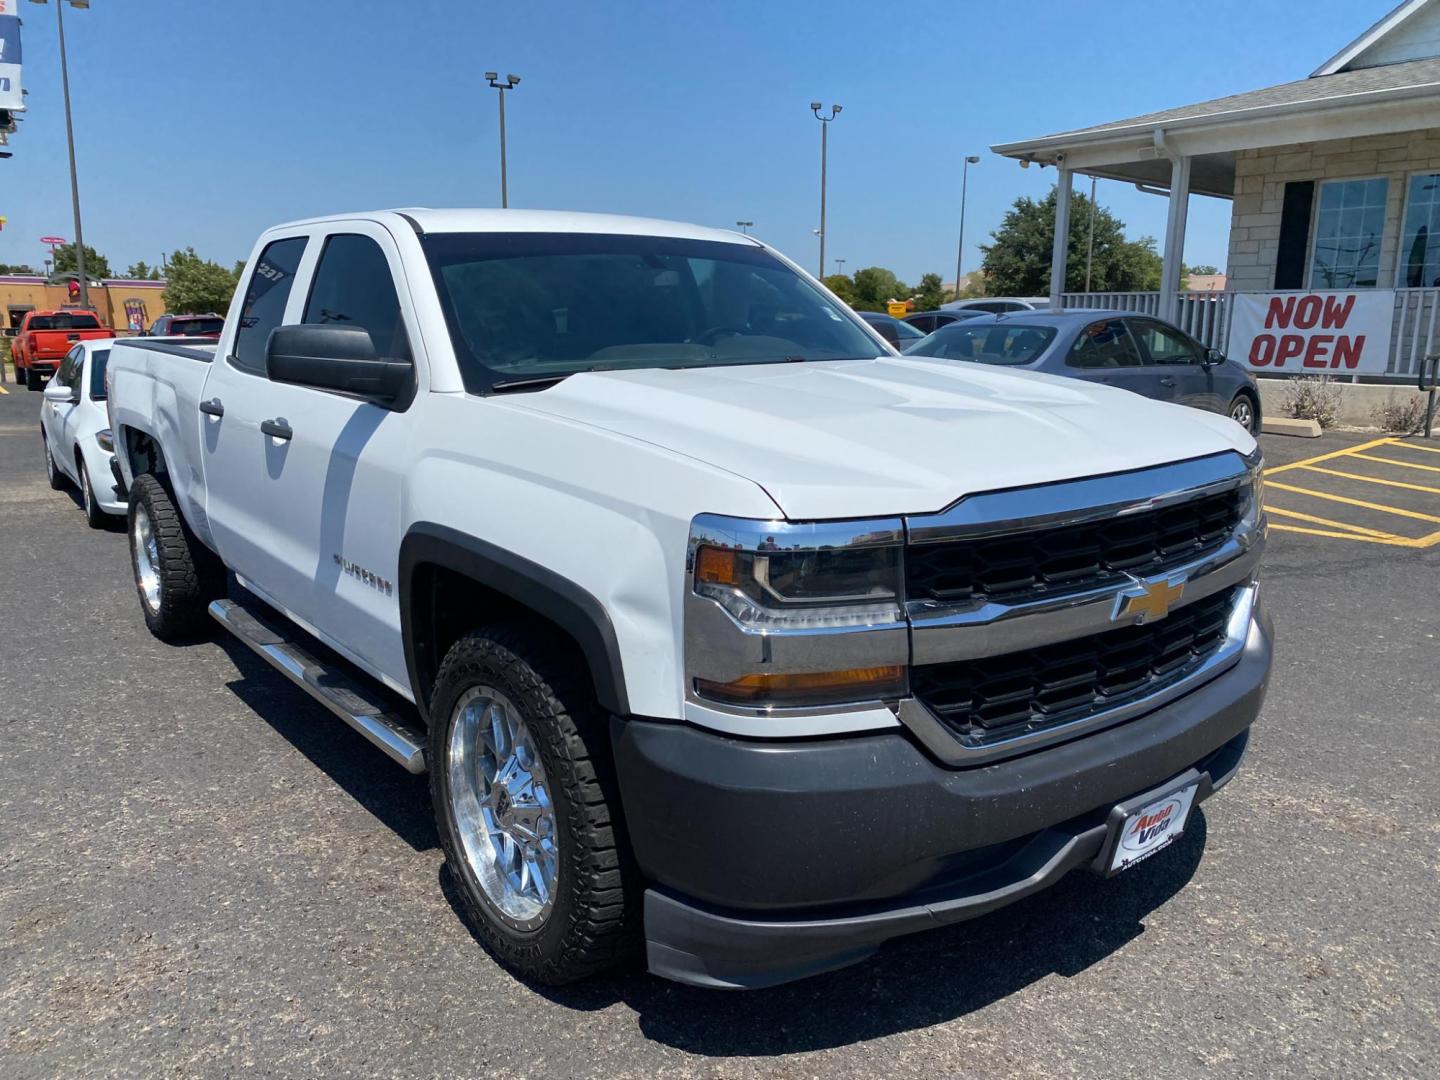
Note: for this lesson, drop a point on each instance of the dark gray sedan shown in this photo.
(1121, 348)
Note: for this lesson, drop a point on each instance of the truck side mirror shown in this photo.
(337, 358)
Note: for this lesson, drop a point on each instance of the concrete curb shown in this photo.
(1280, 425)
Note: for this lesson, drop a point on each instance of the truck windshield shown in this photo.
(526, 309)
(64, 322)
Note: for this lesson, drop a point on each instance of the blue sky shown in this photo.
(201, 123)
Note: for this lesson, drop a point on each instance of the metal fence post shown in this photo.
(1429, 380)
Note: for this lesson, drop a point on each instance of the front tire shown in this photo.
(527, 806)
(175, 575)
(1245, 412)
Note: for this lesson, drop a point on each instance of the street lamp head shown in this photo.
(814, 105)
(835, 110)
(973, 159)
(513, 80)
(490, 76)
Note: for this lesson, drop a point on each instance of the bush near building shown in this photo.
(1313, 397)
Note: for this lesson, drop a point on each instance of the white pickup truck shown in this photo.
(723, 631)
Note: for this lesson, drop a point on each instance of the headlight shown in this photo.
(106, 440)
(1254, 512)
(787, 614)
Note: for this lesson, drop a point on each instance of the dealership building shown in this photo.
(1334, 183)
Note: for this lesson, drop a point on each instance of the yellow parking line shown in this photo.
(1313, 520)
(1335, 535)
(1374, 480)
(3, 390)
(1274, 469)
(1416, 446)
(1392, 461)
(1415, 514)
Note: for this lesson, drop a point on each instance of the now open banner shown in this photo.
(1325, 332)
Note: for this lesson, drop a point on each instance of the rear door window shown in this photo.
(1106, 344)
(265, 298)
(354, 287)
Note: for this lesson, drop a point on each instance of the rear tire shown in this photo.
(94, 516)
(584, 918)
(175, 574)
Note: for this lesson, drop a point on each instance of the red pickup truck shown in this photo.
(44, 339)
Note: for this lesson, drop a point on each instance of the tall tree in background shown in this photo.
(142, 271)
(96, 265)
(842, 286)
(1018, 262)
(874, 286)
(930, 293)
(195, 286)
(16, 268)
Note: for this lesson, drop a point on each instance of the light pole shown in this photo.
(70, 140)
(840, 266)
(745, 226)
(511, 81)
(835, 111)
(971, 159)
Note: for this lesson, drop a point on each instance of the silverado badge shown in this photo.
(1147, 601)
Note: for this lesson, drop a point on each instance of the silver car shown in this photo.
(1122, 348)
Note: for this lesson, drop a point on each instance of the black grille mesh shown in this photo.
(1070, 557)
(1001, 696)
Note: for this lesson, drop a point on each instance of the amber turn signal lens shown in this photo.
(808, 688)
(717, 566)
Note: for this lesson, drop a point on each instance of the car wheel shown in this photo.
(1244, 413)
(527, 806)
(175, 575)
(52, 471)
(94, 516)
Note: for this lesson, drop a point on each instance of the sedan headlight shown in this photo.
(795, 614)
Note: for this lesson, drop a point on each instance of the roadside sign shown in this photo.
(1308, 333)
(53, 240)
(896, 309)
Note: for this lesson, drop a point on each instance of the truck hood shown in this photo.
(893, 435)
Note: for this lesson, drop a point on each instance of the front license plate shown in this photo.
(1156, 825)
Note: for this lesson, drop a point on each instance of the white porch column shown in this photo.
(1172, 264)
(1062, 236)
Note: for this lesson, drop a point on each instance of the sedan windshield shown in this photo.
(527, 309)
(992, 343)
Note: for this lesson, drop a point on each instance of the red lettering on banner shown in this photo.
(1262, 350)
(1337, 312)
(1316, 349)
(1348, 350)
(1291, 346)
(1279, 312)
(1307, 312)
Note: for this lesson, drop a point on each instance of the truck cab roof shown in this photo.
(490, 220)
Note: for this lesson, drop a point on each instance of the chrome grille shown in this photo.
(1017, 566)
(999, 697)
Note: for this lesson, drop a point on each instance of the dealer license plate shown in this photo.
(1154, 826)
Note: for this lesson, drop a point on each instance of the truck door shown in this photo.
(304, 484)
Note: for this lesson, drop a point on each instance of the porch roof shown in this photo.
(1366, 101)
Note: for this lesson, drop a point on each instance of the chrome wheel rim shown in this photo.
(147, 558)
(1241, 413)
(49, 462)
(501, 803)
(86, 494)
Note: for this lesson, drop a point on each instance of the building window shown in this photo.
(1420, 236)
(1348, 226)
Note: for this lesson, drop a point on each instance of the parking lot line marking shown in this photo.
(1398, 541)
(1392, 461)
(1415, 514)
(1276, 469)
(1313, 520)
(1374, 480)
(3, 390)
(1416, 446)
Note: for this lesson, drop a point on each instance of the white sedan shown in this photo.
(76, 429)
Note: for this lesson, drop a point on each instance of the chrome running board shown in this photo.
(345, 696)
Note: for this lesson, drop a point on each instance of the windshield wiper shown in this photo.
(540, 382)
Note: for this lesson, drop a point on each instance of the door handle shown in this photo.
(1167, 381)
(212, 407)
(279, 428)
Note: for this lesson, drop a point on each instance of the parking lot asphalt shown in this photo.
(203, 873)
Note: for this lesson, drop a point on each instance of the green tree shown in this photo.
(930, 293)
(142, 271)
(1203, 270)
(842, 286)
(96, 265)
(875, 285)
(238, 270)
(16, 268)
(1018, 262)
(194, 285)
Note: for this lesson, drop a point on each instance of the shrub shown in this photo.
(1313, 397)
(1402, 415)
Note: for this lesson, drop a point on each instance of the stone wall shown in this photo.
(1261, 175)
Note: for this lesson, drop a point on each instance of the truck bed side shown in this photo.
(155, 392)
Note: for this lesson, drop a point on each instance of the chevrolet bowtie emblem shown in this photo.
(1148, 601)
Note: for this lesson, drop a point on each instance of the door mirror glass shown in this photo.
(59, 393)
(337, 358)
(1214, 358)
